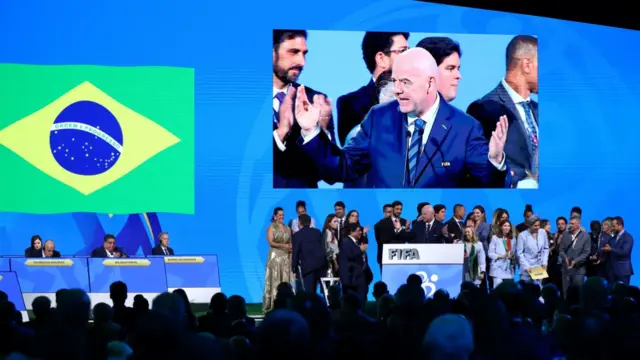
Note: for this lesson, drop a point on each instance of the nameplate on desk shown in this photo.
(126, 262)
(184, 260)
(397, 254)
(49, 262)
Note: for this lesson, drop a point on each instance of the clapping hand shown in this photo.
(310, 114)
(606, 248)
(498, 139)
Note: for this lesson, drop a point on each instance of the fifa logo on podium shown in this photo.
(404, 254)
(428, 282)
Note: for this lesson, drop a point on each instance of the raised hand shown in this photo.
(324, 105)
(498, 139)
(285, 114)
(309, 114)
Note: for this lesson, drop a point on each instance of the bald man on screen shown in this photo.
(415, 141)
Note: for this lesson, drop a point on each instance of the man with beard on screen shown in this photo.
(290, 168)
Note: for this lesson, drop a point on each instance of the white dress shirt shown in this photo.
(517, 100)
(276, 106)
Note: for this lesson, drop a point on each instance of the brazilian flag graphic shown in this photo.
(100, 139)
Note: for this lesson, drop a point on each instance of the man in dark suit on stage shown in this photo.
(512, 97)
(619, 249)
(290, 170)
(392, 230)
(163, 246)
(428, 230)
(379, 49)
(108, 249)
(352, 262)
(417, 141)
(308, 255)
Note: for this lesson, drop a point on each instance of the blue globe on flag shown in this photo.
(86, 139)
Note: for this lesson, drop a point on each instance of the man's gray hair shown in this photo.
(575, 217)
(161, 234)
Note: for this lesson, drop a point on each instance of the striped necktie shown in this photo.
(532, 132)
(414, 149)
(280, 97)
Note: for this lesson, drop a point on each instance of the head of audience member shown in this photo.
(379, 289)
(58, 294)
(500, 215)
(459, 212)
(595, 227)
(427, 214)
(236, 307)
(384, 87)
(397, 208)
(380, 49)
(109, 243)
(49, 248)
(41, 306)
(171, 305)
(102, 313)
(447, 54)
(331, 223)
(576, 210)
(289, 53)
(278, 215)
(522, 63)
(415, 79)
(353, 217)
(545, 225)
(533, 223)
(449, 337)
(163, 239)
(340, 209)
(354, 230)
(470, 235)
(618, 225)
(607, 227)
(218, 303)
(185, 299)
(118, 293)
(528, 211)
(594, 293)
(440, 211)
(140, 304)
(575, 224)
(7, 314)
(469, 221)
(36, 242)
(301, 207)
(283, 329)
(304, 221)
(74, 307)
(414, 280)
(505, 228)
(312, 307)
(387, 210)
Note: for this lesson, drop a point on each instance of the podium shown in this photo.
(439, 265)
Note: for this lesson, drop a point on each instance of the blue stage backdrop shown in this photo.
(588, 96)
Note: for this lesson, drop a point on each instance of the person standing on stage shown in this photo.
(278, 260)
(309, 257)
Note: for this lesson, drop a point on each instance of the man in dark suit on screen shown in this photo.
(417, 141)
(512, 98)
(290, 170)
(379, 49)
(308, 254)
(163, 246)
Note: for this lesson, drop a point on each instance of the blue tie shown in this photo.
(414, 149)
(280, 97)
(533, 134)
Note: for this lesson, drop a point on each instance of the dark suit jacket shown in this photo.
(351, 263)
(435, 235)
(157, 250)
(290, 167)
(353, 107)
(455, 230)
(56, 254)
(488, 110)
(100, 252)
(620, 255)
(456, 150)
(578, 253)
(308, 251)
(385, 233)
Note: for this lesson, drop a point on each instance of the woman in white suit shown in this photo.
(532, 248)
(502, 253)
(475, 262)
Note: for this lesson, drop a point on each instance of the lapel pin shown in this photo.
(444, 126)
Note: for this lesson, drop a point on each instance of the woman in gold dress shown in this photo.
(278, 259)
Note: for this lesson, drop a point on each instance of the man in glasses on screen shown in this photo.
(416, 141)
(290, 169)
(379, 50)
(512, 97)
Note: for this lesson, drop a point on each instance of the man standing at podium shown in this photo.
(163, 246)
(308, 254)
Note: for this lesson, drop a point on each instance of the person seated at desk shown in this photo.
(163, 246)
(48, 250)
(108, 249)
(35, 248)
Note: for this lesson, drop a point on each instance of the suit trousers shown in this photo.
(623, 279)
(311, 280)
(571, 279)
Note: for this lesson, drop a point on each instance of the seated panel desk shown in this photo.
(45, 276)
(5, 264)
(439, 266)
(197, 274)
(145, 276)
